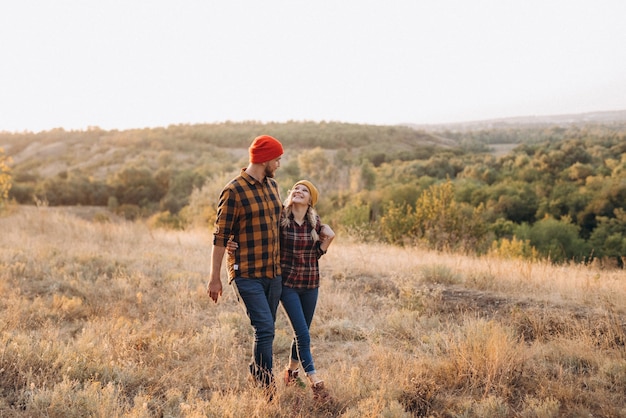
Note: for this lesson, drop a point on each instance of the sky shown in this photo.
(125, 64)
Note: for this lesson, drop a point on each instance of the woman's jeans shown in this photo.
(299, 304)
(260, 298)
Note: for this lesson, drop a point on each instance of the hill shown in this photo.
(615, 117)
(550, 191)
(96, 152)
(99, 153)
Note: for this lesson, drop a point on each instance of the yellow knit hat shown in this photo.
(312, 190)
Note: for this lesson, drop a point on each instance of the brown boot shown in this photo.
(292, 378)
(320, 394)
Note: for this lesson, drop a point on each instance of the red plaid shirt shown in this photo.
(299, 255)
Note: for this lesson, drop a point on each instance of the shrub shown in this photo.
(167, 220)
(513, 248)
(129, 212)
(5, 177)
(557, 240)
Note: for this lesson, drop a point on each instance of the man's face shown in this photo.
(271, 167)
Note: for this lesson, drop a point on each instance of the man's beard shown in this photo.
(268, 172)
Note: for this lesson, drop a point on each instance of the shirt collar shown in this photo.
(251, 179)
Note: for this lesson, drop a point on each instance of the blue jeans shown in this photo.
(260, 299)
(299, 304)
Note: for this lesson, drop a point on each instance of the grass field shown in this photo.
(106, 318)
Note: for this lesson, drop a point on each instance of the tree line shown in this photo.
(560, 193)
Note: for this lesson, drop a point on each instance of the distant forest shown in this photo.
(546, 191)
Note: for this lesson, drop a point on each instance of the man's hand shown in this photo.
(326, 233)
(214, 289)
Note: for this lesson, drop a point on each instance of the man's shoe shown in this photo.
(269, 391)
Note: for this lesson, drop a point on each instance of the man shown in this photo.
(248, 213)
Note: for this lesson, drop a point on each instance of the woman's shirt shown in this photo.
(299, 254)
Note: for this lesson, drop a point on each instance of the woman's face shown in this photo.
(300, 195)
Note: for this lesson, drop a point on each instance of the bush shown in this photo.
(5, 177)
(556, 240)
(167, 220)
(513, 248)
(129, 212)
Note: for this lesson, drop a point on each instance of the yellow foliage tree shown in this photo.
(5, 177)
(514, 248)
(444, 223)
(396, 223)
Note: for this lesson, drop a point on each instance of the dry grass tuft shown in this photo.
(111, 319)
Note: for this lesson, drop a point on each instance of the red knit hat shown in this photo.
(264, 148)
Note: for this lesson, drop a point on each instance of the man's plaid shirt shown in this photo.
(248, 212)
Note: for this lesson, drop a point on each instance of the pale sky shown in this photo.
(121, 64)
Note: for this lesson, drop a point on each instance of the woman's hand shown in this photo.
(232, 246)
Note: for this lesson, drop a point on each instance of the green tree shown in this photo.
(515, 200)
(178, 190)
(557, 240)
(608, 239)
(200, 211)
(367, 177)
(565, 199)
(137, 186)
(73, 189)
(355, 217)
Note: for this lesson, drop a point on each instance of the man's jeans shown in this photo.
(260, 298)
(299, 304)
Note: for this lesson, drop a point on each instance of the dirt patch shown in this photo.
(534, 319)
(461, 301)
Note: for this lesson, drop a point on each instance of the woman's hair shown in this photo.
(311, 215)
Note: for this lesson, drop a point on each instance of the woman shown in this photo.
(303, 240)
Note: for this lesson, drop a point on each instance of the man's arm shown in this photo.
(327, 235)
(214, 288)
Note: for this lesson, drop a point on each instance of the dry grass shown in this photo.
(111, 319)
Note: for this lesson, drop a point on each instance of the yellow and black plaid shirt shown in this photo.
(248, 212)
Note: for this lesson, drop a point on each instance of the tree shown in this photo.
(5, 177)
(397, 222)
(444, 223)
(609, 238)
(315, 165)
(557, 240)
(516, 201)
(136, 186)
(179, 189)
